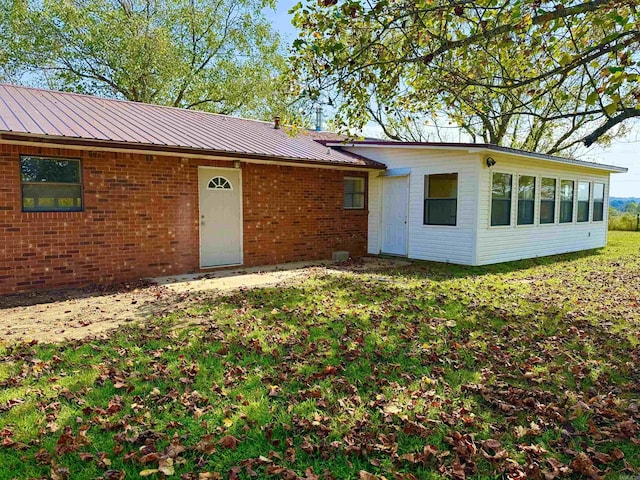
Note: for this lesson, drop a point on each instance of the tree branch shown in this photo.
(612, 122)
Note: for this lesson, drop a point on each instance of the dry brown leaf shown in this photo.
(229, 441)
(364, 475)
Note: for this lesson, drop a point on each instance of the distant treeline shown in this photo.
(620, 203)
(624, 213)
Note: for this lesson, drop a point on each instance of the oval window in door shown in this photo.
(219, 183)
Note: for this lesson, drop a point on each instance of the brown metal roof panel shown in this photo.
(47, 112)
(57, 114)
(6, 117)
(117, 127)
(73, 113)
(157, 129)
(16, 117)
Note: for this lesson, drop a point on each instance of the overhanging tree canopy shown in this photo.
(221, 55)
(561, 72)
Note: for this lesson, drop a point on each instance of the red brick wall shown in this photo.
(140, 219)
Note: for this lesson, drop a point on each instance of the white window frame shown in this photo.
(556, 207)
(536, 186)
(424, 197)
(512, 209)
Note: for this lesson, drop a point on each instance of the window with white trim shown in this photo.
(566, 201)
(441, 199)
(526, 199)
(501, 186)
(548, 200)
(584, 192)
(598, 202)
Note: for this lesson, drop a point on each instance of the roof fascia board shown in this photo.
(389, 145)
(484, 149)
(578, 163)
(246, 158)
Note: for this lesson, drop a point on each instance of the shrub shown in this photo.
(627, 221)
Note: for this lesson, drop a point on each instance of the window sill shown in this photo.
(52, 211)
(451, 227)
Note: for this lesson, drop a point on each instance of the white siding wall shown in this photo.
(501, 244)
(375, 213)
(428, 242)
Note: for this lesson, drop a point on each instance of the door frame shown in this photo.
(240, 199)
(407, 177)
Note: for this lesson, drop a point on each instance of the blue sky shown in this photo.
(624, 153)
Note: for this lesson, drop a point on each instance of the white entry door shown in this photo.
(394, 215)
(220, 217)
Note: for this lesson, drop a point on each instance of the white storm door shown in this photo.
(394, 215)
(220, 193)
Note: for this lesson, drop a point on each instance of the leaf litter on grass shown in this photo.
(523, 370)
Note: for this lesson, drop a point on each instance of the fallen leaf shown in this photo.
(229, 441)
(147, 472)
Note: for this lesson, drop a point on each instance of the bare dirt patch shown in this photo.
(54, 316)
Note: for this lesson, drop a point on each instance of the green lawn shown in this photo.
(521, 370)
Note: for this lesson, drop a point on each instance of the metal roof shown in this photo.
(56, 115)
(475, 146)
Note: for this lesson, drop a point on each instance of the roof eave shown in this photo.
(559, 160)
(61, 142)
(483, 148)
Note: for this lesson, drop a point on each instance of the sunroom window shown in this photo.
(441, 199)
(526, 199)
(583, 201)
(566, 201)
(50, 184)
(598, 202)
(501, 199)
(548, 200)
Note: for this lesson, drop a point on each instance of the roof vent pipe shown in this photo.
(319, 118)
(276, 123)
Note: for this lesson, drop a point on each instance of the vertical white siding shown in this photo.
(515, 242)
(429, 242)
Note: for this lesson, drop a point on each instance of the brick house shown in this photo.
(97, 190)
(94, 190)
